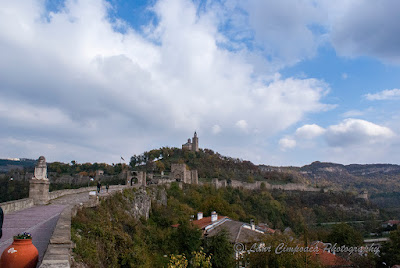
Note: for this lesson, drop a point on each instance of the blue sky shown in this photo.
(275, 82)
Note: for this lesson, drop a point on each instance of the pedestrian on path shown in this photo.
(107, 186)
(98, 186)
(1, 221)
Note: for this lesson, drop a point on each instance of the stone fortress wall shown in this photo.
(260, 184)
(39, 184)
(179, 173)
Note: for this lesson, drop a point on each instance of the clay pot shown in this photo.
(21, 253)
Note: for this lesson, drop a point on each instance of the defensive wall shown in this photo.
(262, 184)
(179, 173)
(15, 205)
(58, 253)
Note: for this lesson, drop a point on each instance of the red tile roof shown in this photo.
(204, 222)
(265, 228)
(328, 259)
(393, 222)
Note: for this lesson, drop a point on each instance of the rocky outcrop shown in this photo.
(159, 195)
(140, 205)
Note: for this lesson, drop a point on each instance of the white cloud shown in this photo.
(351, 29)
(309, 131)
(352, 113)
(388, 94)
(287, 143)
(277, 25)
(242, 124)
(78, 82)
(355, 132)
(274, 26)
(345, 76)
(216, 129)
(347, 134)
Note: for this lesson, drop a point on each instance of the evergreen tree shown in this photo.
(221, 250)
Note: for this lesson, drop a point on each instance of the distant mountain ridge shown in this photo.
(9, 164)
(376, 178)
(353, 169)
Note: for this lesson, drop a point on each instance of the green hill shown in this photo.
(208, 163)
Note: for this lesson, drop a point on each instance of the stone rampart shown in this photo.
(295, 187)
(12, 206)
(15, 205)
(257, 185)
(59, 193)
(58, 253)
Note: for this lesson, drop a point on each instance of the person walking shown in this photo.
(98, 186)
(1, 221)
(107, 186)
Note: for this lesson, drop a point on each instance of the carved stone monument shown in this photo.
(39, 184)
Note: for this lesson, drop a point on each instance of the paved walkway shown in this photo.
(39, 221)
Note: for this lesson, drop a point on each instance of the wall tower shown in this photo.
(195, 143)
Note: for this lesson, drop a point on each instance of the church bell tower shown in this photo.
(195, 143)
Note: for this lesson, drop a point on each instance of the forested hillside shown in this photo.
(375, 178)
(109, 235)
(209, 164)
(7, 165)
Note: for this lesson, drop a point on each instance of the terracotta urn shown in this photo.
(21, 253)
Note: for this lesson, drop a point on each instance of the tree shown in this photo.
(177, 261)
(270, 254)
(187, 238)
(250, 179)
(160, 166)
(344, 234)
(221, 250)
(263, 186)
(200, 259)
(390, 253)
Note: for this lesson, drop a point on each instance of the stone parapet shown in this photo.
(58, 253)
(59, 193)
(12, 206)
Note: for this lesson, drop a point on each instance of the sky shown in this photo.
(274, 82)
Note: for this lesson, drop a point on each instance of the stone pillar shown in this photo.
(141, 175)
(195, 177)
(187, 177)
(39, 191)
(223, 183)
(215, 182)
(39, 184)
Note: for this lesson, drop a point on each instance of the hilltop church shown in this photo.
(192, 145)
